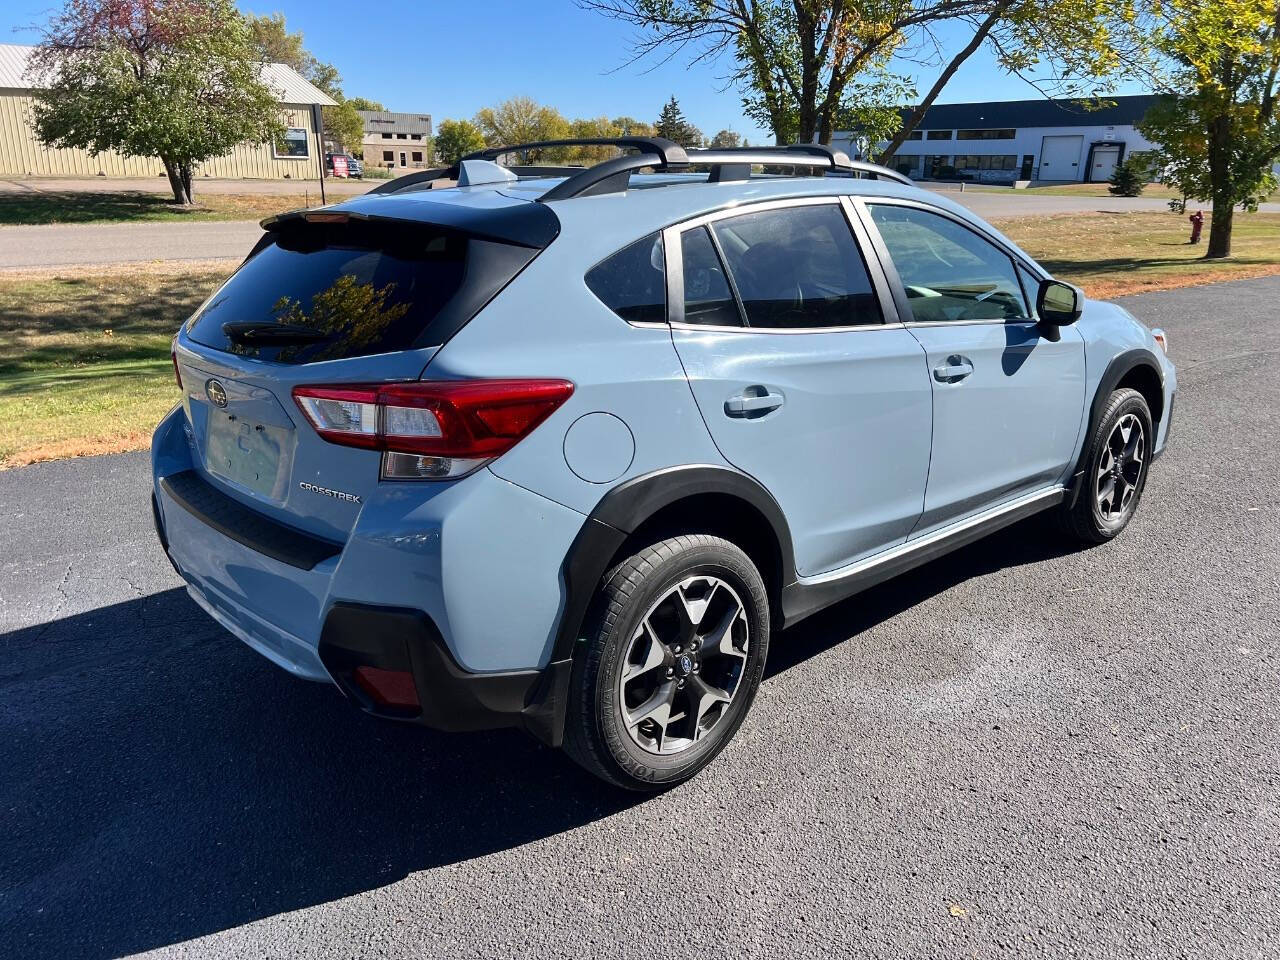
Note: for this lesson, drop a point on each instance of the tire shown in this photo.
(664, 615)
(1094, 519)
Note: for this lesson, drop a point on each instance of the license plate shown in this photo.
(246, 453)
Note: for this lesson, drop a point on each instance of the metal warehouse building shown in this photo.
(296, 156)
(1030, 140)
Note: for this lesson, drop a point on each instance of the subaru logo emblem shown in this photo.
(217, 396)
(686, 664)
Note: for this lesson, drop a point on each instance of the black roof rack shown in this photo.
(732, 163)
(670, 154)
(613, 175)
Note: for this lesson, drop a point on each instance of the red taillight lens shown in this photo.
(468, 421)
(173, 355)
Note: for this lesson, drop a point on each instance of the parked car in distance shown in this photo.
(355, 168)
(567, 449)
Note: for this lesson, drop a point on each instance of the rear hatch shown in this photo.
(362, 293)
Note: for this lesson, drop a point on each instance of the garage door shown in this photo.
(1060, 157)
(1104, 163)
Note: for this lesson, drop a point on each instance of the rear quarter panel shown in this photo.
(547, 323)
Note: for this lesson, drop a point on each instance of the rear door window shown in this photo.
(707, 298)
(632, 282)
(797, 267)
(363, 288)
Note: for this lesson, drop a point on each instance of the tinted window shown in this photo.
(365, 288)
(950, 273)
(707, 298)
(632, 283)
(797, 267)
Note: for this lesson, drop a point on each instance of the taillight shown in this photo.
(432, 430)
(173, 355)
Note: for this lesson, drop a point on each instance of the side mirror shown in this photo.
(1058, 303)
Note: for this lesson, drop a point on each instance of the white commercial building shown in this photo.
(1031, 140)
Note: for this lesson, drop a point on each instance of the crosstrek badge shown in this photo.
(327, 492)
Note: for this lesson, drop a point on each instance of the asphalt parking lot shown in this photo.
(1014, 751)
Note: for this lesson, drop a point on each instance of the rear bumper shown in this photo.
(458, 584)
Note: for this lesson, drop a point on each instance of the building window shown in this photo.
(402, 136)
(905, 163)
(386, 136)
(415, 136)
(914, 135)
(388, 156)
(293, 144)
(416, 156)
(978, 162)
(938, 135)
(985, 134)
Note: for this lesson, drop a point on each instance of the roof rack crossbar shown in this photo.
(671, 154)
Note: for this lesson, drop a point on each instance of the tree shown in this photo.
(672, 125)
(793, 59)
(588, 129)
(275, 44)
(344, 126)
(1218, 128)
(455, 139)
(631, 127)
(172, 79)
(521, 120)
(363, 103)
(725, 139)
(1081, 42)
(1126, 180)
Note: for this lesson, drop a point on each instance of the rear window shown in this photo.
(366, 287)
(632, 283)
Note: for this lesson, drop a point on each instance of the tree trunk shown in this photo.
(1220, 176)
(1220, 230)
(917, 115)
(179, 180)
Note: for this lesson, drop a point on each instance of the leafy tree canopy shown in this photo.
(174, 79)
(1218, 129)
(455, 139)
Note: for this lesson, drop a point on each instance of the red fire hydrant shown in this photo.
(1197, 223)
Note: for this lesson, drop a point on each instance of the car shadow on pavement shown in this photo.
(162, 782)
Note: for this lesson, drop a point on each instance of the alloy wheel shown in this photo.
(684, 665)
(1120, 468)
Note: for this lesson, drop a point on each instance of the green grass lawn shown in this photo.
(29, 209)
(1113, 254)
(84, 354)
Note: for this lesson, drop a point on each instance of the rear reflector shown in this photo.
(434, 429)
(388, 688)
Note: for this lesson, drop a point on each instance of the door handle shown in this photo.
(954, 370)
(753, 402)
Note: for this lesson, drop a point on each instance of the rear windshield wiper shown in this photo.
(253, 333)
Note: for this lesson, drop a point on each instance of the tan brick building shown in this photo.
(396, 140)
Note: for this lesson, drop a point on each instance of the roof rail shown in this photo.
(732, 163)
(613, 175)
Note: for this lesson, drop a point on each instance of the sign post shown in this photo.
(317, 116)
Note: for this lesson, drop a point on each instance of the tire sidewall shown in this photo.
(1132, 403)
(719, 559)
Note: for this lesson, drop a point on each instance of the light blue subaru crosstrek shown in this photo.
(562, 447)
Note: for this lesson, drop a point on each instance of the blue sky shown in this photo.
(449, 59)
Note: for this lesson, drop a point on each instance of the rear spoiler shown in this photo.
(522, 223)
